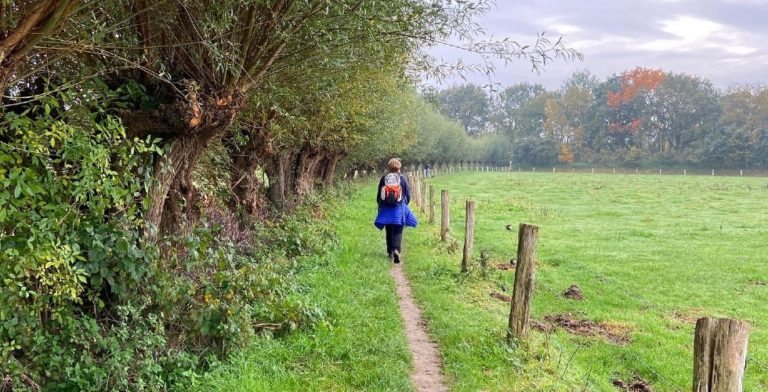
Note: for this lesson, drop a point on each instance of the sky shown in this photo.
(724, 41)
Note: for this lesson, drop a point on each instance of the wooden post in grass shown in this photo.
(719, 355)
(469, 233)
(525, 272)
(445, 219)
(422, 197)
(431, 204)
(419, 199)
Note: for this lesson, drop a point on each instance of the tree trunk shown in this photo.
(279, 169)
(247, 188)
(306, 169)
(173, 196)
(330, 169)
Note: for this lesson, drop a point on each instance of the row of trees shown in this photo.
(147, 149)
(642, 116)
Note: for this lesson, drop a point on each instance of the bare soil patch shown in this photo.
(504, 266)
(756, 282)
(501, 296)
(613, 332)
(686, 316)
(638, 385)
(574, 292)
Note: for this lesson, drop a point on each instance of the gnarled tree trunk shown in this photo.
(306, 171)
(247, 188)
(172, 199)
(279, 169)
(329, 169)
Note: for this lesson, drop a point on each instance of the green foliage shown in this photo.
(70, 186)
(86, 303)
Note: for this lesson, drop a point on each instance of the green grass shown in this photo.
(363, 347)
(651, 254)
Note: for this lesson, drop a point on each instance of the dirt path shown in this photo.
(427, 375)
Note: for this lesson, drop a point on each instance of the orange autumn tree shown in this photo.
(632, 122)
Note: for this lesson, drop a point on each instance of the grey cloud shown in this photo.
(621, 34)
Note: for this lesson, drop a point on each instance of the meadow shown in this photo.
(650, 253)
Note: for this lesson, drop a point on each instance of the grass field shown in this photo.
(362, 346)
(651, 254)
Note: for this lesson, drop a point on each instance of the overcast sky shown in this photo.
(725, 41)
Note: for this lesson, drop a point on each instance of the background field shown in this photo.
(651, 254)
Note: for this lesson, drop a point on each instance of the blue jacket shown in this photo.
(399, 214)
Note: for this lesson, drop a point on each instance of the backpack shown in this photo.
(391, 192)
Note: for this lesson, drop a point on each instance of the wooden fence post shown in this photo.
(445, 219)
(419, 198)
(422, 197)
(469, 233)
(719, 355)
(525, 272)
(431, 204)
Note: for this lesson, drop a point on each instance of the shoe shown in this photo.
(396, 256)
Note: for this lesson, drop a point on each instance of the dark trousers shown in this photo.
(394, 237)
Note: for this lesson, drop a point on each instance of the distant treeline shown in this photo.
(642, 117)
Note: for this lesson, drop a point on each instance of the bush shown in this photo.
(86, 303)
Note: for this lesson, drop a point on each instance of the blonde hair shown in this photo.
(394, 165)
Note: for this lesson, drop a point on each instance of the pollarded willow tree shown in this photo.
(205, 58)
(23, 26)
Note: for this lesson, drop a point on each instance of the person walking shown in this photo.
(392, 198)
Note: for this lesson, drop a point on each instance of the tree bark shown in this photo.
(306, 169)
(36, 24)
(173, 196)
(279, 169)
(330, 169)
(247, 188)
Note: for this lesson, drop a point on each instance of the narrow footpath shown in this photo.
(427, 374)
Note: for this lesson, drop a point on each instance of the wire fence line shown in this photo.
(614, 285)
(717, 172)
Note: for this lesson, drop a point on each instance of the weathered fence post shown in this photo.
(422, 198)
(525, 272)
(469, 233)
(719, 355)
(431, 204)
(484, 262)
(445, 219)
